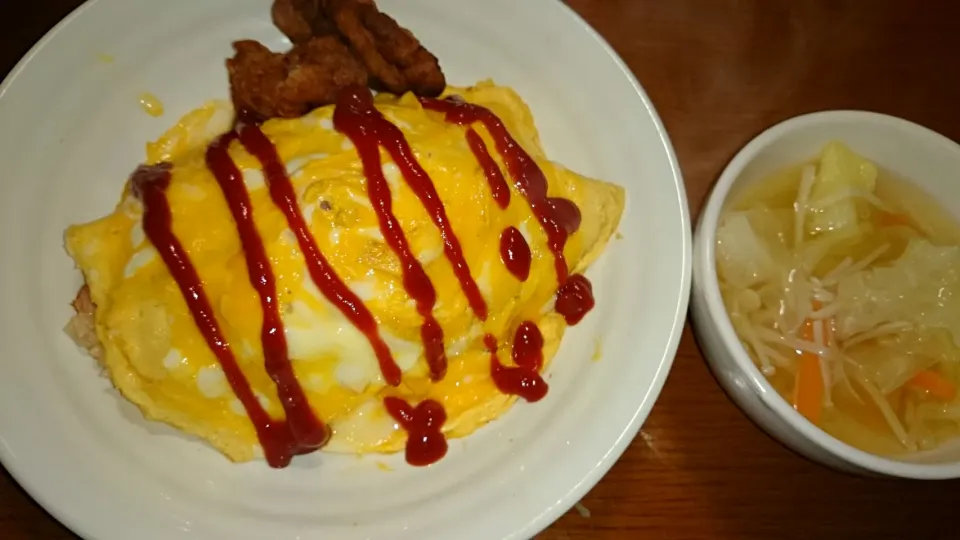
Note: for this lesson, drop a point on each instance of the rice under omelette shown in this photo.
(156, 357)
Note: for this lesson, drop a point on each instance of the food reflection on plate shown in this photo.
(335, 270)
(841, 281)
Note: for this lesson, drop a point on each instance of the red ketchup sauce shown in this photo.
(559, 217)
(425, 441)
(357, 118)
(524, 379)
(575, 299)
(322, 274)
(498, 185)
(150, 183)
(515, 253)
(566, 213)
(307, 429)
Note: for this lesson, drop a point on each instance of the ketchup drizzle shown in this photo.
(522, 380)
(559, 217)
(566, 212)
(528, 346)
(308, 431)
(150, 185)
(527, 176)
(356, 117)
(515, 253)
(498, 186)
(323, 275)
(426, 443)
(575, 299)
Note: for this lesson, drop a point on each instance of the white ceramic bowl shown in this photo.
(901, 147)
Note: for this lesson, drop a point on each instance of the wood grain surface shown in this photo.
(719, 72)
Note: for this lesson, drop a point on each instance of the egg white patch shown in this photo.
(402, 124)
(368, 425)
(346, 145)
(263, 400)
(459, 346)
(392, 173)
(335, 236)
(318, 383)
(137, 236)
(549, 305)
(311, 288)
(131, 207)
(192, 192)
(483, 281)
(221, 121)
(172, 359)
(405, 353)
(139, 260)
(91, 248)
(287, 238)
(294, 166)
(312, 335)
(429, 255)
(365, 290)
(525, 233)
(372, 232)
(326, 124)
(237, 407)
(307, 210)
(353, 375)
(212, 382)
(253, 179)
(362, 200)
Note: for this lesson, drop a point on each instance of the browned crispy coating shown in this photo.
(265, 84)
(399, 46)
(392, 54)
(337, 43)
(301, 20)
(82, 327)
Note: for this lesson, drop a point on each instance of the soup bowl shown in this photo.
(907, 150)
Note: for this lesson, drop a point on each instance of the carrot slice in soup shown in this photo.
(934, 384)
(808, 388)
(888, 219)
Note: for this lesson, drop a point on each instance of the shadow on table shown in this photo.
(20, 517)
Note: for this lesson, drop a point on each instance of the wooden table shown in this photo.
(719, 71)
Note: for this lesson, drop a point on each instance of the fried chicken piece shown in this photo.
(265, 84)
(301, 20)
(337, 43)
(392, 54)
(401, 48)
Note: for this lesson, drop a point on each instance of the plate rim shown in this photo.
(629, 433)
(535, 524)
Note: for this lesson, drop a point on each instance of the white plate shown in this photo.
(71, 131)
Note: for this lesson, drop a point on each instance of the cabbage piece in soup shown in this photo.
(842, 282)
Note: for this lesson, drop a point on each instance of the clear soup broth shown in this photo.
(842, 282)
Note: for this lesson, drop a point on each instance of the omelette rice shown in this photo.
(358, 274)
(157, 357)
